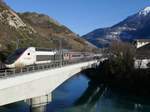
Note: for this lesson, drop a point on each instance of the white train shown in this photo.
(29, 56)
(32, 56)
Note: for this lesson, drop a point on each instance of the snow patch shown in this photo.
(145, 11)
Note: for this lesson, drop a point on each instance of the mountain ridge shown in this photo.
(133, 27)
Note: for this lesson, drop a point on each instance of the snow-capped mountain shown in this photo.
(135, 26)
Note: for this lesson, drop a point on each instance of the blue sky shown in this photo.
(82, 16)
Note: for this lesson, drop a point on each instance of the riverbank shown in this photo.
(135, 81)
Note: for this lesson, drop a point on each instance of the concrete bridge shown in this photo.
(35, 84)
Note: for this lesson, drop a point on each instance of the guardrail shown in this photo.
(35, 68)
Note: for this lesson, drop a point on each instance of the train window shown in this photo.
(14, 56)
(43, 49)
(44, 57)
(76, 55)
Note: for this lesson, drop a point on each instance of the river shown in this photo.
(78, 94)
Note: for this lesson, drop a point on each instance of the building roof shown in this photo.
(143, 52)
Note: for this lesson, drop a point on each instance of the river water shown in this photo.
(79, 94)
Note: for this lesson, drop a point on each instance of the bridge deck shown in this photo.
(36, 82)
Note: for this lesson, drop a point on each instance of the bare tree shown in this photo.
(122, 54)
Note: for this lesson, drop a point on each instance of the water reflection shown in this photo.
(88, 101)
(15, 107)
(102, 99)
(91, 95)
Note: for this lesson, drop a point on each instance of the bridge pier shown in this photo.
(38, 104)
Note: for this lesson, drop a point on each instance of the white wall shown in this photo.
(141, 63)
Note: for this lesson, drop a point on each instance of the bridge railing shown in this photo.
(39, 67)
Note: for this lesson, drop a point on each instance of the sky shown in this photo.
(82, 16)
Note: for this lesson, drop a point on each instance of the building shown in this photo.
(141, 42)
(142, 58)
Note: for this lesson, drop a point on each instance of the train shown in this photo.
(32, 56)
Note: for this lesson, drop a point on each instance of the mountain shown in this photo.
(54, 32)
(133, 27)
(33, 29)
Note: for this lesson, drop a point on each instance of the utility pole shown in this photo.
(60, 51)
(60, 58)
(17, 43)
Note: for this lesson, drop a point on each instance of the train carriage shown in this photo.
(32, 56)
(29, 56)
